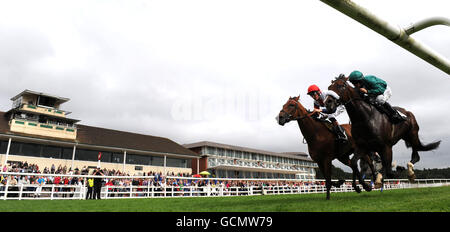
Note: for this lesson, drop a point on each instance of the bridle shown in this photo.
(290, 117)
(342, 88)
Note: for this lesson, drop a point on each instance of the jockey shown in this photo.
(319, 107)
(379, 90)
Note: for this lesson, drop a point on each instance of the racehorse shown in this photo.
(322, 144)
(372, 130)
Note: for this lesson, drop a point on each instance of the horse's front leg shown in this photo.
(359, 153)
(325, 167)
(354, 166)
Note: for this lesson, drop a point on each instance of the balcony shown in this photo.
(43, 129)
(254, 165)
(43, 110)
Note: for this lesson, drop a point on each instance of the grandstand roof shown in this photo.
(295, 155)
(114, 139)
(30, 92)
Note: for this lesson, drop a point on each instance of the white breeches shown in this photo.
(382, 98)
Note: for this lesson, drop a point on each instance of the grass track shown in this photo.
(435, 199)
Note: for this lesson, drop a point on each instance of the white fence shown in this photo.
(181, 187)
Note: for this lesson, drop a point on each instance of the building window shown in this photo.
(67, 153)
(106, 157)
(51, 152)
(229, 153)
(117, 158)
(238, 154)
(138, 159)
(179, 163)
(86, 155)
(157, 161)
(211, 151)
(220, 152)
(3, 147)
(29, 149)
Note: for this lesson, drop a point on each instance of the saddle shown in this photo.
(394, 115)
(329, 125)
(325, 122)
(341, 146)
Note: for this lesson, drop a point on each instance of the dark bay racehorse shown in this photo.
(322, 145)
(372, 130)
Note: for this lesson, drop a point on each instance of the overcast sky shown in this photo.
(217, 70)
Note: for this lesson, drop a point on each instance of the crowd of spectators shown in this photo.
(66, 185)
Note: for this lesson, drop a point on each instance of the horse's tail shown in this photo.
(414, 140)
(420, 147)
(428, 147)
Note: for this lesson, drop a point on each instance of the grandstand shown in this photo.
(36, 130)
(228, 161)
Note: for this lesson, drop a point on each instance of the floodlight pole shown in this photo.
(396, 34)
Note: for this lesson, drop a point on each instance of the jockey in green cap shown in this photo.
(379, 90)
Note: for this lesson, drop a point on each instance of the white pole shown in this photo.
(124, 159)
(73, 155)
(165, 160)
(394, 33)
(198, 165)
(7, 152)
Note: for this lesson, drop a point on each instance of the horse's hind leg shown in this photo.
(412, 140)
(411, 175)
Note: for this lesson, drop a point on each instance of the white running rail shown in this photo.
(172, 186)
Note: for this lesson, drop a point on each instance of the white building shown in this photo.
(228, 161)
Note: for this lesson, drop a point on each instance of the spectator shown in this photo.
(40, 182)
(13, 186)
(109, 184)
(97, 183)
(90, 186)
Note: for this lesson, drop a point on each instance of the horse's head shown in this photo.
(291, 111)
(342, 88)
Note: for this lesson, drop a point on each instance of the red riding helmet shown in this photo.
(313, 88)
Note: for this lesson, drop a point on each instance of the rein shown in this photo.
(298, 118)
(308, 115)
(351, 98)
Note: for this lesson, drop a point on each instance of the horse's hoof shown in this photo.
(412, 178)
(368, 188)
(378, 185)
(410, 169)
(357, 189)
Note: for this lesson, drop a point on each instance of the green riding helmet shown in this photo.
(355, 76)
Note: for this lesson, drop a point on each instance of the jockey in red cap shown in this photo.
(319, 107)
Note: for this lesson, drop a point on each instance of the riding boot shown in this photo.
(393, 114)
(339, 131)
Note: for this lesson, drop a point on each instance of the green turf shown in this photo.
(435, 199)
